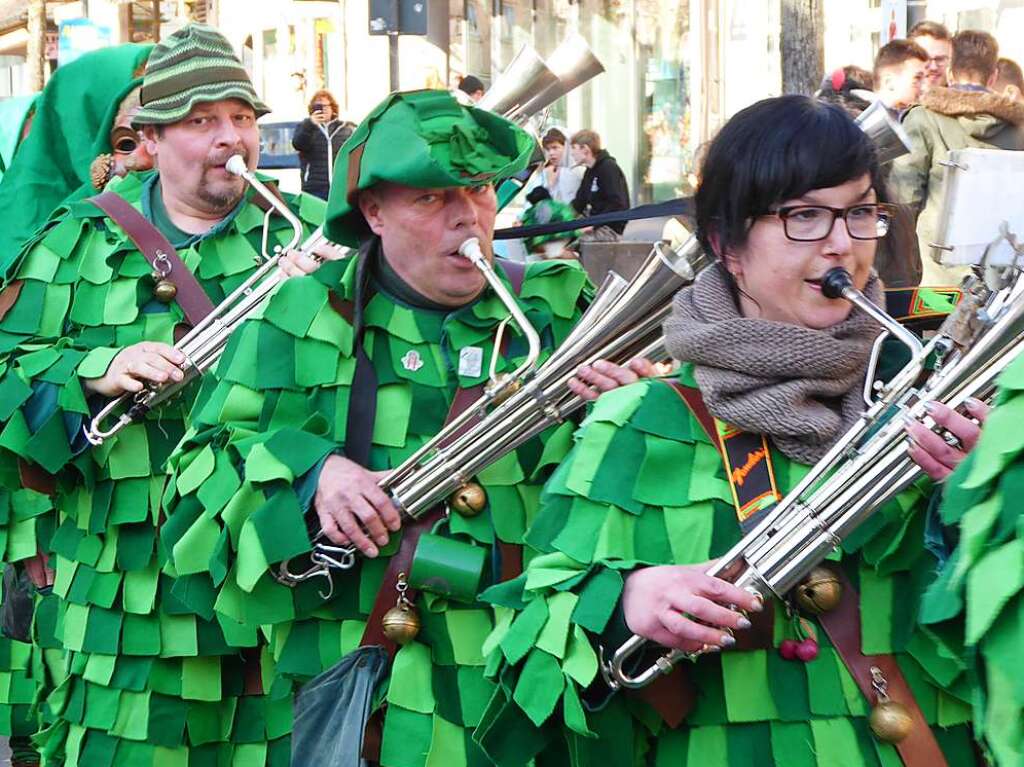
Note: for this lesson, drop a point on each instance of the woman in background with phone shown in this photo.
(317, 140)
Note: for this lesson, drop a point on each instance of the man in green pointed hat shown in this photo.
(348, 372)
(91, 312)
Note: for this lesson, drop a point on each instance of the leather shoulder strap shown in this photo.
(160, 254)
(695, 402)
(516, 273)
(919, 748)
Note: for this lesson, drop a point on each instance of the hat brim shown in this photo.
(176, 108)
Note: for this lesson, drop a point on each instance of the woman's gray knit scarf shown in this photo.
(799, 386)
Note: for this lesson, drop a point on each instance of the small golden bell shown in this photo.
(164, 291)
(401, 623)
(469, 500)
(820, 592)
(890, 721)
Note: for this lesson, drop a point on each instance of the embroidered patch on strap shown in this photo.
(748, 464)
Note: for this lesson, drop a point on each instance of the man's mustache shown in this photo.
(220, 161)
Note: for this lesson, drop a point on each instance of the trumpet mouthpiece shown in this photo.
(835, 282)
(471, 249)
(236, 165)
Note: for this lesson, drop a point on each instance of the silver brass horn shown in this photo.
(888, 136)
(526, 76)
(574, 63)
(529, 85)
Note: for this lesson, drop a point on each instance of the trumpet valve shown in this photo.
(503, 387)
(469, 500)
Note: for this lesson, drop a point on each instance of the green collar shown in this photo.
(154, 210)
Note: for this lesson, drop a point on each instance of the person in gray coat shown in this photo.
(966, 114)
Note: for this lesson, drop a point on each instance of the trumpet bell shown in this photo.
(888, 136)
(526, 76)
(573, 63)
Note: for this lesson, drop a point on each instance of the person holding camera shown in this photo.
(318, 139)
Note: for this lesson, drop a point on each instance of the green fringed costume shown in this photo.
(251, 460)
(980, 589)
(71, 121)
(643, 485)
(148, 682)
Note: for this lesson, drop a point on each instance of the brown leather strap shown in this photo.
(401, 560)
(9, 296)
(919, 748)
(252, 671)
(35, 477)
(153, 245)
(695, 402)
(516, 273)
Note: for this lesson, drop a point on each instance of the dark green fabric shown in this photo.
(73, 117)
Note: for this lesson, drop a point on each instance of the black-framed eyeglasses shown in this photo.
(809, 223)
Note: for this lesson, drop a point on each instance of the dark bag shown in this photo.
(17, 608)
(331, 710)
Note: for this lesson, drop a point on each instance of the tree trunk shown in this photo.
(36, 53)
(802, 42)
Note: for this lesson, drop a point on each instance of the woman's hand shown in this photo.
(934, 454)
(591, 381)
(135, 366)
(679, 606)
(352, 508)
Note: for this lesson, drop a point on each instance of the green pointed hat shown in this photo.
(423, 139)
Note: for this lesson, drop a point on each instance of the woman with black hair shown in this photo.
(656, 488)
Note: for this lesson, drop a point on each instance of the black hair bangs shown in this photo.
(773, 151)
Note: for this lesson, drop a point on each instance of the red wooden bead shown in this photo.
(787, 649)
(807, 650)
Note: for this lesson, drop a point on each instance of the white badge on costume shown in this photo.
(412, 361)
(471, 361)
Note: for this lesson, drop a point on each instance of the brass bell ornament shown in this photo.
(469, 500)
(401, 623)
(164, 290)
(889, 720)
(820, 592)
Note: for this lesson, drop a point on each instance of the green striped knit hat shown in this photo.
(195, 64)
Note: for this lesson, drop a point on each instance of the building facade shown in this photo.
(675, 69)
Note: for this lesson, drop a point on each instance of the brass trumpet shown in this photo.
(869, 465)
(203, 345)
(623, 322)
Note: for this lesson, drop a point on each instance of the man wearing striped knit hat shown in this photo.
(92, 311)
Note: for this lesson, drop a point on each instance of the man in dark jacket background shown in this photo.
(318, 139)
(603, 188)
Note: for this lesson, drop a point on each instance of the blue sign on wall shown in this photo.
(78, 36)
